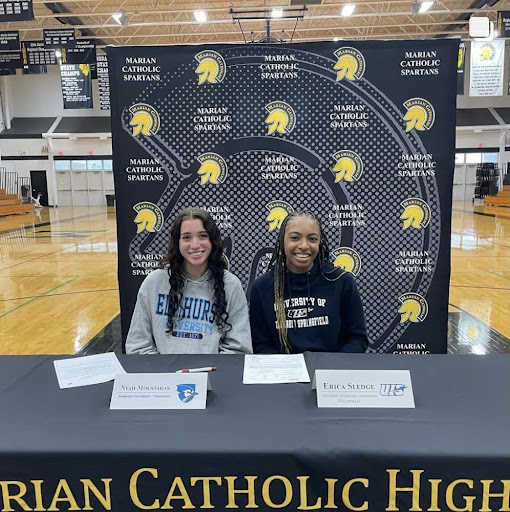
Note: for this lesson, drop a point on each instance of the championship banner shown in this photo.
(487, 59)
(361, 133)
(59, 38)
(34, 53)
(503, 23)
(103, 81)
(83, 53)
(16, 10)
(10, 60)
(37, 69)
(461, 64)
(76, 85)
(9, 41)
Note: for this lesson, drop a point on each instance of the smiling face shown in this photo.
(301, 244)
(194, 246)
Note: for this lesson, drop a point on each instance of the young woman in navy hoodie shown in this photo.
(304, 303)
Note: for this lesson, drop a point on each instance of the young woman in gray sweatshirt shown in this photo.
(191, 305)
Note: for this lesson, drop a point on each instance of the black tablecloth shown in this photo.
(270, 439)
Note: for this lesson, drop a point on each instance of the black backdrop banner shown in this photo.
(76, 81)
(16, 10)
(361, 133)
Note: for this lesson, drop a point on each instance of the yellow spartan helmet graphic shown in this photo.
(145, 220)
(209, 172)
(409, 310)
(141, 122)
(84, 68)
(412, 216)
(207, 70)
(415, 118)
(485, 54)
(275, 218)
(344, 169)
(345, 262)
(345, 67)
(277, 121)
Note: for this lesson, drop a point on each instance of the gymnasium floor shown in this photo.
(59, 294)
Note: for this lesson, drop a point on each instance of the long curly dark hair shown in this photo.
(278, 262)
(174, 263)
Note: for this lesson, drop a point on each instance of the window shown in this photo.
(473, 158)
(94, 164)
(79, 164)
(62, 165)
(459, 158)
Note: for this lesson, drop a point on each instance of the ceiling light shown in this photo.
(200, 16)
(425, 6)
(58, 54)
(491, 35)
(277, 13)
(121, 18)
(338, 39)
(348, 9)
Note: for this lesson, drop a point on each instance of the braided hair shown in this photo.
(278, 263)
(174, 263)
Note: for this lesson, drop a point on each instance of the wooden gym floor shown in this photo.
(59, 293)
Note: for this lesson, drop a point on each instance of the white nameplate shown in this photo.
(363, 388)
(160, 391)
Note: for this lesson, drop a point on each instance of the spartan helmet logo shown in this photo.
(348, 167)
(347, 259)
(278, 210)
(487, 52)
(416, 213)
(420, 114)
(145, 119)
(85, 69)
(148, 217)
(350, 64)
(414, 308)
(281, 117)
(213, 169)
(211, 67)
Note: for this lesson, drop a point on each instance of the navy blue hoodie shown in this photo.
(322, 315)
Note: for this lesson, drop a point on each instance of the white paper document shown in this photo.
(87, 370)
(275, 369)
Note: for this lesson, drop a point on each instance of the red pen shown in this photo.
(197, 370)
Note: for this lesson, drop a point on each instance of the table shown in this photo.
(258, 446)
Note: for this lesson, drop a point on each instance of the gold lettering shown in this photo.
(288, 491)
(487, 495)
(393, 489)
(105, 499)
(68, 497)
(7, 497)
(468, 499)
(331, 493)
(303, 492)
(434, 495)
(345, 494)
(232, 491)
(133, 490)
(184, 496)
(206, 490)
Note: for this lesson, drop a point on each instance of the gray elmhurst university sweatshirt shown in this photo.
(194, 330)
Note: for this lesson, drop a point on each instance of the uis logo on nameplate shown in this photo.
(364, 388)
(160, 391)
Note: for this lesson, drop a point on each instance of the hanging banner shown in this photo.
(40, 69)
(486, 72)
(461, 61)
(76, 85)
(103, 81)
(12, 10)
(7, 71)
(83, 53)
(9, 41)
(503, 23)
(10, 60)
(34, 53)
(59, 38)
(362, 134)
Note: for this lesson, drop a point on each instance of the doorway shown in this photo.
(39, 186)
